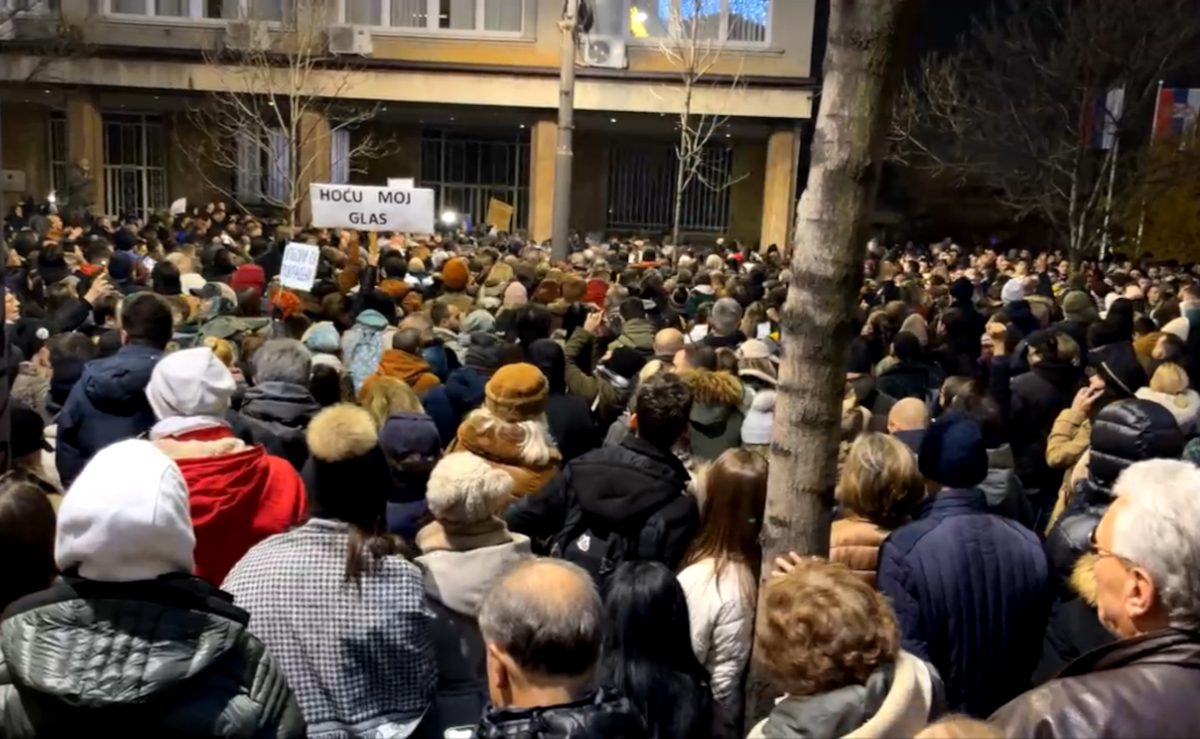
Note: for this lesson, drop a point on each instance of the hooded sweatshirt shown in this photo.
(240, 495)
(413, 370)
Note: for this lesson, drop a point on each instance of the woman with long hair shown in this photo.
(336, 601)
(720, 577)
(648, 656)
(27, 527)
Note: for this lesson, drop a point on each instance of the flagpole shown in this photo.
(1153, 137)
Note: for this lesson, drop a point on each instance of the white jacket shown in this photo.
(1184, 406)
(722, 621)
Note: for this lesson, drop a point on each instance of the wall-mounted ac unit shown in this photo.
(350, 40)
(604, 51)
(247, 35)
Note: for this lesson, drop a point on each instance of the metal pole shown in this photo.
(564, 158)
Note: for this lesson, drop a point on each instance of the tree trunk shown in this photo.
(678, 211)
(862, 72)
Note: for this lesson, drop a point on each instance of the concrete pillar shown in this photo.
(85, 140)
(779, 188)
(25, 150)
(315, 163)
(542, 151)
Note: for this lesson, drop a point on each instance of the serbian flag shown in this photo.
(1175, 114)
(1099, 126)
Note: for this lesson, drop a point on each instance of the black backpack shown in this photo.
(600, 549)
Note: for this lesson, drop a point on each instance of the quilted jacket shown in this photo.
(599, 716)
(170, 657)
(970, 592)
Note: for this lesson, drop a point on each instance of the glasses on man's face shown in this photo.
(1100, 551)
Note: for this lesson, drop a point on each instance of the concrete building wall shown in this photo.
(24, 136)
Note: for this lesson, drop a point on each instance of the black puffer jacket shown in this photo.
(1038, 396)
(599, 716)
(170, 657)
(1123, 433)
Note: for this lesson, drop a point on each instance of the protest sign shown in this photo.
(299, 269)
(370, 208)
(500, 214)
(401, 183)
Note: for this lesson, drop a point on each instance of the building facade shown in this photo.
(464, 92)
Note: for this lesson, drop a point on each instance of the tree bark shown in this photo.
(862, 74)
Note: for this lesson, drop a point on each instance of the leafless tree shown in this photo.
(1012, 107)
(285, 94)
(695, 50)
(43, 33)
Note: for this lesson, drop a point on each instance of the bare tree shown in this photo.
(861, 77)
(1014, 107)
(44, 33)
(694, 48)
(279, 104)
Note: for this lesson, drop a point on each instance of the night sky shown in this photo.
(945, 21)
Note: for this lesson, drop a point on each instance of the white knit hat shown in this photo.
(1013, 291)
(465, 489)
(756, 427)
(126, 517)
(190, 382)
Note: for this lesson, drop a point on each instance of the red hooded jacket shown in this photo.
(239, 496)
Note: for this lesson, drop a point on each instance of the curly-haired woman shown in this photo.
(830, 643)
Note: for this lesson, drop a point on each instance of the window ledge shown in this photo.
(733, 47)
(171, 21)
(417, 33)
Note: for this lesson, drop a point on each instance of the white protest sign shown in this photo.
(368, 208)
(299, 269)
(401, 183)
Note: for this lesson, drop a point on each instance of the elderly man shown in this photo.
(907, 421)
(1147, 550)
(277, 409)
(666, 344)
(543, 625)
(723, 325)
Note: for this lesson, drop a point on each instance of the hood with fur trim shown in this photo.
(1083, 579)
(713, 388)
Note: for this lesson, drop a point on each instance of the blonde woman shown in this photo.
(1169, 387)
(878, 485)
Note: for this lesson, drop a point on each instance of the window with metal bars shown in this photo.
(642, 183)
(467, 16)
(466, 170)
(135, 174)
(57, 140)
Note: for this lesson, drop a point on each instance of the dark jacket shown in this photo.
(716, 418)
(1038, 396)
(107, 405)
(169, 657)
(1003, 490)
(598, 716)
(1077, 330)
(975, 323)
(1140, 687)
(732, 341)
(276, 415)
(569, 417)
(449, 404)
(619, 487)
(909, 380)
(969, 589)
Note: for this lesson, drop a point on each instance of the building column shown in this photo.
(315, 152)
(85, 140)
(779, 188)
(543, 148)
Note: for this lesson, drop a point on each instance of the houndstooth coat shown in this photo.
(361, 665)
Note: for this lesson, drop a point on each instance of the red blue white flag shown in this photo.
(1175, 114)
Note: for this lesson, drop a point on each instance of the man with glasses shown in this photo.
(1147, 570)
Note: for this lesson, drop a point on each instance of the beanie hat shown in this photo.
(483, 352)
(126, 517)
(756, 427)
(416, 266)
(953, 453)
(121, 266)
(395, 289)
(548, 291)
(190, 382)
(517, 392)
(573, 288)
(329, 360)
(409, 433)
(478, 320)
(515, 294)
(190, 282)
(322, 338)
(411, 302)
(1012, 291)
(249, 276)
(465, 489)
(1076, 306)
(344, 445)
(962, 290)
(28, 432)
(455, 275)
(625, 362)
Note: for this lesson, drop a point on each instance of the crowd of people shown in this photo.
(459, 489)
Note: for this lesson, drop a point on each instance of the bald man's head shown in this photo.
(909, 414)
(547, 618)
(667, 342)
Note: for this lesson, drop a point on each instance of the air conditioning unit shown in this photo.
(350, 40)
(247, 36)
(604, 51)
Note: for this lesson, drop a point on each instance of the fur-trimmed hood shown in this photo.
(499, 443)
(1083, 578)
(713, 388)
